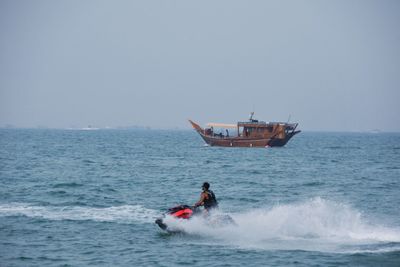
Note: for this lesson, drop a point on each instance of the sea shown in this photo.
(90, 198)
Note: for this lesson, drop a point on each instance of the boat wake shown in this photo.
(119, 214)
(314, 225)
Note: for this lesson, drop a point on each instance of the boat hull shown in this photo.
(276, 142)
(235, 141)
(243, 141)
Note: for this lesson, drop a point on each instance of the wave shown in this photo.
(72, 184)
(120, 214)
(313, 225)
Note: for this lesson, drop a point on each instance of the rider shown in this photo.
(207, 198)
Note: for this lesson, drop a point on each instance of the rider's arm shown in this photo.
(200, 202)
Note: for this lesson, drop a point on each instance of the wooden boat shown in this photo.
(252, 133)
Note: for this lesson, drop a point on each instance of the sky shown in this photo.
(328, 65)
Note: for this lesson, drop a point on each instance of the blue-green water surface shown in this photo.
(90, 198)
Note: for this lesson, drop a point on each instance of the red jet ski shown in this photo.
(180, 212)
(186, 212)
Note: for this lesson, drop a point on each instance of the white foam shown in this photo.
(313, 225)
(316, 225)
(122, 214)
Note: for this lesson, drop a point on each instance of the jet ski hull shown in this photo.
(186, 212)
(180, 212)
(161, 224)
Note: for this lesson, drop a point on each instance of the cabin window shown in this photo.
(270, 129)
(247, 131)
(240, 131)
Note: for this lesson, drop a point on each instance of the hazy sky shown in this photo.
(331, 65)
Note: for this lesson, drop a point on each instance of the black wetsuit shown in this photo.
(210, 202)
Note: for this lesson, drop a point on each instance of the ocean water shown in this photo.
(90, 198)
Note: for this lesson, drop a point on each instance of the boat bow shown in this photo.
(196, 126)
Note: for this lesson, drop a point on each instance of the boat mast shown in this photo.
(251, 116)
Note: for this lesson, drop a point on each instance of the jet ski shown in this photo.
(179, 212)
(186, 212)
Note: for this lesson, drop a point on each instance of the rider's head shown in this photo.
(205, 186)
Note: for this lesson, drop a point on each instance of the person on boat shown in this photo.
(207, 198)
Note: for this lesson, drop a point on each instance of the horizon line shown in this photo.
(174, 128)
